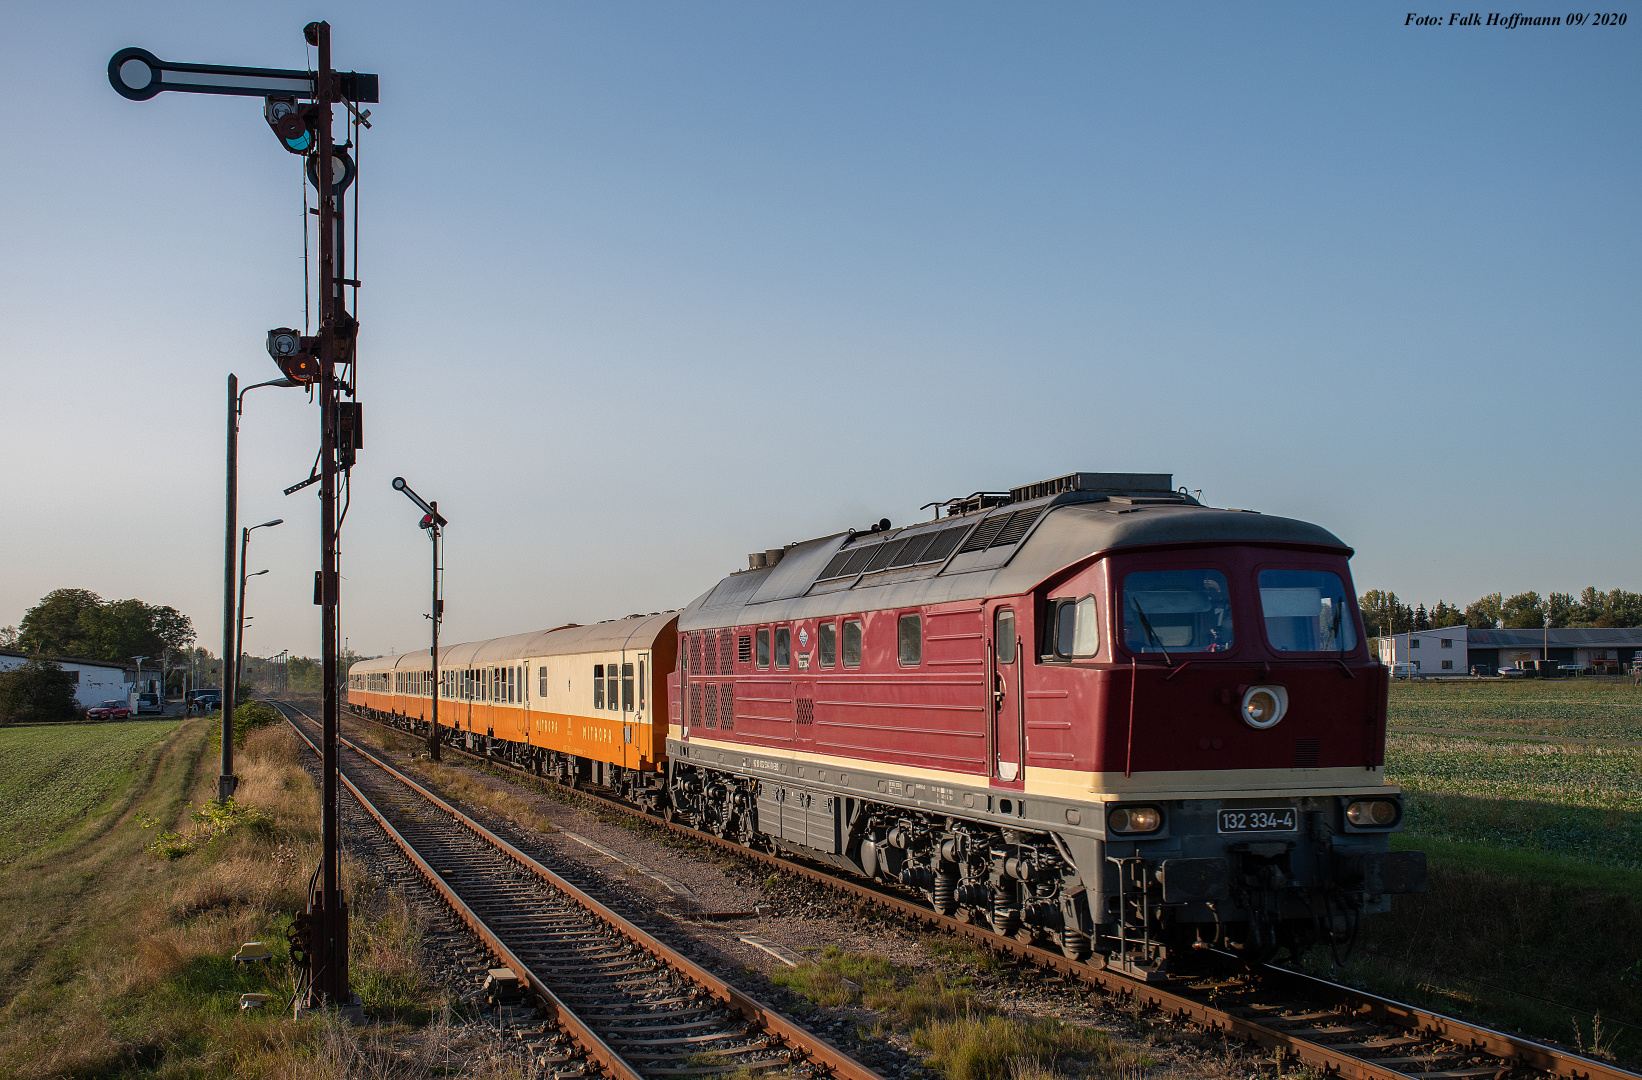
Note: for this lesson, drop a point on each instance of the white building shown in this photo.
(1430, 652)
(94, 680)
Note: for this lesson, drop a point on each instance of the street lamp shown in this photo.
(434, 524)
(139, 660)
(226, 781)
(236, 405)
(239, 645)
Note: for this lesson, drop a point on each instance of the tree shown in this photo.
(1384, 614)
(8, 637)
(39, 692)
(1422, 621)
(1564, 611)
(1484, 614)
(1445, 615)
(1524, 611)
(77, 622)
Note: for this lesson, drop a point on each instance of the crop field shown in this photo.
(55, 777)
(1578, 708)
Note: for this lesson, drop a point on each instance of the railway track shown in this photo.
(1338, 1029)
(633, 1007)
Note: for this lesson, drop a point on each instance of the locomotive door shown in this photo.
(1006, 701)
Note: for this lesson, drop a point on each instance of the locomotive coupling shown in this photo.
(1377, 872)
(1189, 880)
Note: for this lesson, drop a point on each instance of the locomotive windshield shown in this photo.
(1185, 610)
(1306, 611)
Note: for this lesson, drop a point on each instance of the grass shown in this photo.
(1534, 914)
(61, 780)
(967, 1039)
(1579, 800)
(1576, 708)
(118, 958)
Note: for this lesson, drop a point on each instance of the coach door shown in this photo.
(1006, 715)
(636, 676)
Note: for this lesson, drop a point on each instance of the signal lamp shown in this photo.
(294, 354)
(290, 124)
(1135, 819)
(342, 170)
(427, 521)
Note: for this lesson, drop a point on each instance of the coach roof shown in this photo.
(1004, 551)
(637, 632)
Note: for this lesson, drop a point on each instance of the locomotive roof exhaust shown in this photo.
(1104, 483)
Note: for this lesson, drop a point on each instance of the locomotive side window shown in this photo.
(1003, 622)
(598, 686)
(1075, 628)
(1306, 611)
(852, 642)
(909, 640)
(783, 646)
(763, 636)
(1187, 610)
(826, 643)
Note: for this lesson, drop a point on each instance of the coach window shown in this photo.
(598, 686)
(909, 640)
(826, 643)
(641, 686)
(612, 688)
(627, 688)
(852, 642)
(763, 638)
(513, 684)
(783, 646)
(541, 677)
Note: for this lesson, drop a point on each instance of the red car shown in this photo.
(109, 710)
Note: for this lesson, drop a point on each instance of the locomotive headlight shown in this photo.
(1263, 706)
(1135, 819)
(1372, 813)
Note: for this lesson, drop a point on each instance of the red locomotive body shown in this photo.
(1094, 711)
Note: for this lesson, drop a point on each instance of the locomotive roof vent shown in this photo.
(1109, 483)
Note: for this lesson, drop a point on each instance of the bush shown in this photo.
(39, 692)
(253, 715)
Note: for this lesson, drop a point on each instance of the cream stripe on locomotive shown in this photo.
(1078, 786)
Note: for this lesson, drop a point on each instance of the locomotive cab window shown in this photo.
(1073, 628)
(826, 643)
(909, 640)
(1183, 610)
(1307, 611)
(763, 638)
(852, 642)
(783, 646)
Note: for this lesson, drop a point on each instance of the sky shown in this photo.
(651, 285)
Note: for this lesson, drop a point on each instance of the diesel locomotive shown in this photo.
(1089, 712)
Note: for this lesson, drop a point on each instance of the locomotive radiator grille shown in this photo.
(695, 651)
(694, 695)
(726, 652)
(709, 652)
(744, 649)
(709, 705)
(806, 710)
(726, 705)
(1307, 753)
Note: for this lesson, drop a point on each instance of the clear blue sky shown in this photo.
(652, 285)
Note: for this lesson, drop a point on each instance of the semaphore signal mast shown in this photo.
(297, 105)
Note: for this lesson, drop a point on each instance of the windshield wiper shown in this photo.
(1147, 623)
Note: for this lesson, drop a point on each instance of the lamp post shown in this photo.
(236, 405)
(233, 634)
(139, 660)
(239, 644)
(434, 524)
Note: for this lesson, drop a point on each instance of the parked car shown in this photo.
(149, 703)
(207, 700)
(1511, 671)
(1405, 671)
(109, 710)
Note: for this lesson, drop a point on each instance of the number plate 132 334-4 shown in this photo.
(1258, 820)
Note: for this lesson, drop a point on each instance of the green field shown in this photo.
(57, 777)
(1582, 708)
